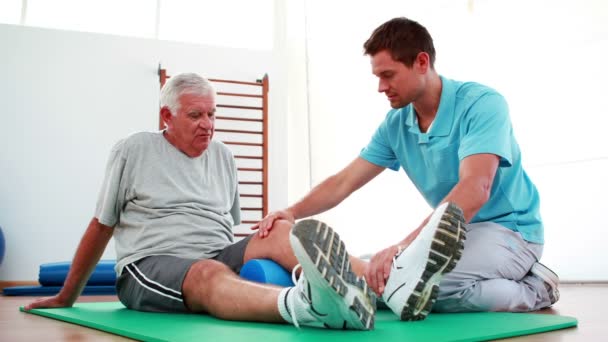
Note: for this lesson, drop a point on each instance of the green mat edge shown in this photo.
(100, 327)
(129, 334)
(531, 331)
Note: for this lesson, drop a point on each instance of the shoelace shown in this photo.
(400, 249)
(291, 299)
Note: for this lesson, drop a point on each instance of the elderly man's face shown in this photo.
(193, 126)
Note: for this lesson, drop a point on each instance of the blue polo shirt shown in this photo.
(471, 119)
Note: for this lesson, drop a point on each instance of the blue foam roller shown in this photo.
(54, 273)
(266, 271)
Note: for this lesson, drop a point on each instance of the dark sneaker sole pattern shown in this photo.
(328, 253)
(446, 251)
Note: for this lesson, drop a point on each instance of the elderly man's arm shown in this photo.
(90, 249)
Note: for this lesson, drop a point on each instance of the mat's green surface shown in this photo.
(114, 318)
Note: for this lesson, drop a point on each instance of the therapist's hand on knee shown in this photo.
(265, 225)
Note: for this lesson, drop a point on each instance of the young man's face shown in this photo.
(193, 126)
(402, 85)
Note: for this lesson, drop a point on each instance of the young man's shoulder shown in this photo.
(483, 98)
(473, 90)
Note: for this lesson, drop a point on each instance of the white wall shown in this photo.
(298, 129)
(66, 98)
(546, 57)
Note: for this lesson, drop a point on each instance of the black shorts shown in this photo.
(154, 283)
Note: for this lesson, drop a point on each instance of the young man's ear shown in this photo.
(423, 61)
(165, 114)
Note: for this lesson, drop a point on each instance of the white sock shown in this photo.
(287, 300)
(283, 304)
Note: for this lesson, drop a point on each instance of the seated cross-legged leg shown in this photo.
(498, 271)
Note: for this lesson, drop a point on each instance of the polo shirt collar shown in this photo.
(442, 124)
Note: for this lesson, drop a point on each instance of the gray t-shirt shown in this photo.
(162, 202)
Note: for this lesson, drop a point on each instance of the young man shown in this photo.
(170, 199)
(455, 142)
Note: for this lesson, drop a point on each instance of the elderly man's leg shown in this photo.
(327, 293)
(276, 247)
(212, 287)
(166, 283)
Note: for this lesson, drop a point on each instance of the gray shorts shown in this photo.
(154, 283)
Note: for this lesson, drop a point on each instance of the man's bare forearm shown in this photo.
(321, 198)
(88, 253)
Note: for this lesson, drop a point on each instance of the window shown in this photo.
(122, 17)
(231, 23)
(10, 11)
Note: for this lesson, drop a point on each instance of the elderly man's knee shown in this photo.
(283, 227)
(203, 275)
(204, 278)
(278, 234)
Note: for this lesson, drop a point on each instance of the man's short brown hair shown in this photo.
(403, 38)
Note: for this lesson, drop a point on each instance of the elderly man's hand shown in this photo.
(267, 222)
(50, 302)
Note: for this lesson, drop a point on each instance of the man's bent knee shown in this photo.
(276, 244)
(202, 278)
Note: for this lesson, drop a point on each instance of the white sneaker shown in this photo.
(327, 288)
(413, 284)
(550, 279)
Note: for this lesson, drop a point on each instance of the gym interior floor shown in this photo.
(587, 302)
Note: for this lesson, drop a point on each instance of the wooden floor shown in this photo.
(588, 303)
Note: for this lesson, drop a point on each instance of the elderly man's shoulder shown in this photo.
(137, 140)
(218, 145)
(218, 148)
(142, 138)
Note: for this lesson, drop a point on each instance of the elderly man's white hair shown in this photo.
(180, 84)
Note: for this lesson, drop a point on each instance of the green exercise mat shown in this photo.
(113, 317)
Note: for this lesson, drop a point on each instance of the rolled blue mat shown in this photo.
(266, 271)
(52, 290)
(2, 246)
(55, 273)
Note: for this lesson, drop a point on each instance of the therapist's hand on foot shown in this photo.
(49, 302)
(379, 268)
(265, 226)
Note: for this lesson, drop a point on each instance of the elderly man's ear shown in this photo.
(166, 115)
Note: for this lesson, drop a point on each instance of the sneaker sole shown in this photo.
(544, 273)
(445, 252)
(327, 253)
(548, 277)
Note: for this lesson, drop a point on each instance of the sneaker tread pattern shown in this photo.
(329, 255)
(446, 251)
